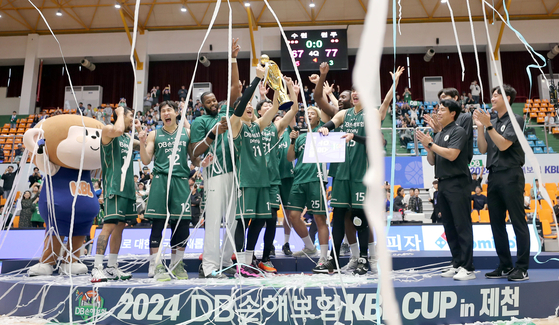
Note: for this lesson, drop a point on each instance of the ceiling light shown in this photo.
(183, 9)
(311, 4)
(59, 13)
(117, 5)
(444, 1)
(247, 4)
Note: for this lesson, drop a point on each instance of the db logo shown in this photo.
(83, 189)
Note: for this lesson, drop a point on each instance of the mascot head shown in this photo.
(64, 139)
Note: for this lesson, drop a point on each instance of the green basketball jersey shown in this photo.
(113, 155)
(198, 131)
(164, 142)
(249, 157)
(304, 173)
(355, 165)
(270, 143)
(286, 169)
(334, 166)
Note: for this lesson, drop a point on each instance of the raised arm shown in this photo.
(388, 99)
(247, 96)
(147, 143)
(111, 131)
(321, 102)
(335, 122)
(485, 119)
(481, 141)
(236, 87)
(289, 117)
(267, 118)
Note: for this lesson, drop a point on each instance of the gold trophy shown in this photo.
(275, 80)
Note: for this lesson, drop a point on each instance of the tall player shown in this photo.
(120, 205)
(158, 145)
(208, 136)
(270, 139)
(252, 173)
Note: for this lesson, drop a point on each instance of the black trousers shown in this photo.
(453, 202)
(505, 191)
(254, 231)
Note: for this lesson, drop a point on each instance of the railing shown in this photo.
(416, 148)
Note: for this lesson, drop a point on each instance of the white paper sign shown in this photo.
(330, 148)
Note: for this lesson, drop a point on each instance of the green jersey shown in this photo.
(407, 97)
(285, 166)
(113, 155)
(270, 143)
(249, 157)
(304, 173)
(164, 142)
(334, 166)
(198, 131)
(355, 165)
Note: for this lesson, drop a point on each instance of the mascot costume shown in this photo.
(58, 143)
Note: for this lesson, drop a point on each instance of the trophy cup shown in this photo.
(275, 80)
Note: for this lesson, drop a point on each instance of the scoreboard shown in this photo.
(312, 47)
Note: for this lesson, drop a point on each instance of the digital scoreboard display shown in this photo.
(310, 48)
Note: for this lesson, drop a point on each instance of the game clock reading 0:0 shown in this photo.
(310, 48)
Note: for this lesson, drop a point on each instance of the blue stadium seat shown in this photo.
(476, 151)
(423, 152)
(538, 150)
(540, 143)
(420, 145)
(412, 151)
(410, 146)
(532, 137)
(434, 103)
(551, 150)
(430, 108)
(531, 143)
(158, 127)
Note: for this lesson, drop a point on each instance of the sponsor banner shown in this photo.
(408, 171)
(435, 238)
(425, 302)
(136, 240)
(549, 167)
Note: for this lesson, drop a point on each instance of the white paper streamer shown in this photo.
(365, 77)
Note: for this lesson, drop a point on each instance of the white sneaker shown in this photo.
(373, 265)
(76, 268)
(98, 274)
(450, 272)
(161, 273)
(350, 266)
(117, 274)
(151, 270)
(40, 269)
(306, 252)
(464, 274)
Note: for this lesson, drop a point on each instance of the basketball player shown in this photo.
(158, 145)
(120, 205)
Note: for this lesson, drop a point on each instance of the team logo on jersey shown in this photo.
(446, 137)
(83, 189)
(503, 128)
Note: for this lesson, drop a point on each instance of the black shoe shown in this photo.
(229, 272)
(201, 274)
(286, 249)
(273, 251)
(518, 275)
(362, 266)
(499, 273)
(325, 267)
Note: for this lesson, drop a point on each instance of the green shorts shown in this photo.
(179, 198)
(254, 202)
(275, 196)
(285, 189)
(119, 209)
(306, 195)
(348, 194)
